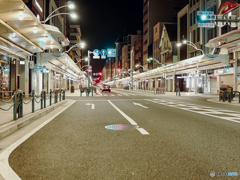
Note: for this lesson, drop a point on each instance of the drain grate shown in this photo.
(121, 127)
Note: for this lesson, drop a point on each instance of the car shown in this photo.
(106, 88)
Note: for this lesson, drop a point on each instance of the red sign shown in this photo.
(90, 67)
(226, 6)
(233, 61)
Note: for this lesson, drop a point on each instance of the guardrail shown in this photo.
(229, 95)
(18, 102)
(88, 90)
(160, 91)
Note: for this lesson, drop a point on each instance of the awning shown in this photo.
(228, 40)
(63, 61)
(203, 62)
(21, 34)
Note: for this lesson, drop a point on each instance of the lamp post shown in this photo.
(70, 5)
(78, 45)
(153, 59)
(190, 44)
(131, 70)
(138, 65)
(89, 52)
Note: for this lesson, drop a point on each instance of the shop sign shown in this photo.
(31, 64)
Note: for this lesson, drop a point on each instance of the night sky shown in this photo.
(103, 21)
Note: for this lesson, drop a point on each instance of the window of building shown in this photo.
(190, 2)
(191, 19)
(194, 17)
(198, 34)
(193, 2)
(193, 36)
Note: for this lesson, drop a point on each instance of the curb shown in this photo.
(28, 119)
(226, 103)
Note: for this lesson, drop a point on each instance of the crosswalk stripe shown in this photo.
(208, 111)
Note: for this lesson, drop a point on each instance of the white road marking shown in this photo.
(138, 104)
(208, 111)
(128, 118)
(92, 105)
(5, 169)
(143, 131)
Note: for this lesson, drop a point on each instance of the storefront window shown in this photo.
(5, 78)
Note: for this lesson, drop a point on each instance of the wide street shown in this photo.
(153, 136)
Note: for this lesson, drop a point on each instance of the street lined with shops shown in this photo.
(186, 138)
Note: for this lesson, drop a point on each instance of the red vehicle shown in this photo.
(106, 88)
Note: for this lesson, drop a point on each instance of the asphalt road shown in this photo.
(188, 138)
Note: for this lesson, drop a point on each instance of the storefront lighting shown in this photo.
(179, 77)
(35, 30)
(13, 35)
(20, 16)
(44, 39)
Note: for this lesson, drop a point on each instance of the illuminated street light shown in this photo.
(70, 5)
(78, 45)
(190, 44)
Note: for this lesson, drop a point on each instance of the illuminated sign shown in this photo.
(226, 6)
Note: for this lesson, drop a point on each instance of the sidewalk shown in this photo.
(7, 116)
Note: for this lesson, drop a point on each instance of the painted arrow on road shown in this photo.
(93, 105)
(138, 104)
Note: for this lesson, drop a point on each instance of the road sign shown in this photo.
(38, 67)
(199, 13)
(210, 25)
(89, 73)
(233, 61)
(71, 81)
(103, 52)
(111, 53)
(95, 52)
(90, 67)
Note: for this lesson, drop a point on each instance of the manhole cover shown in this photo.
(121, 127)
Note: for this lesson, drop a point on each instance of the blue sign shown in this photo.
(210, 25)
(57, 55)
(71, 81)
(96, 52)
(38, 67)
(199, 13)
(103, 52)
(111, 53)
(90, 73)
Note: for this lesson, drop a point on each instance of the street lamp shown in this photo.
(78, 45)
(85, 59)
(70, 5)
(153, 59)
(138, 65)
(190, 44)
(84, 66)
